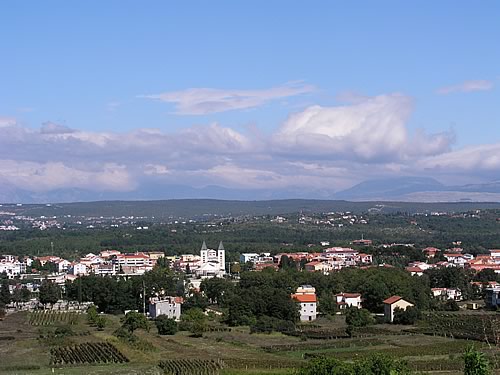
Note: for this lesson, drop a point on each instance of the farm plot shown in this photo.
(191, 366)
(47, 317)
(480, 327)
(87, 353)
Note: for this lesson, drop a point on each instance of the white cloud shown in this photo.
(467, 86)
(202, 101)
(7, 121)
(371, 129)
(42, 177)
(53, 128)
(472, 159)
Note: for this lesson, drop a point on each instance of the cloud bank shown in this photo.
(329, 148)
(203, 101)
(467, 86)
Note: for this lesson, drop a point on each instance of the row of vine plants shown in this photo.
(191, 366)
(47, 317)
(87, 353)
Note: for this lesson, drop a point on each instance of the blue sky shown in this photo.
(117, 67)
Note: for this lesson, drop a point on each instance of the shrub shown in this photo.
(408, 316)
(266, 324)
(358, 317)
(475, 363)
(165, 325)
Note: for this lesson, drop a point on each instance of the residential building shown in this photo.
(306, 296)
(493, 297)
(447, 293)
(346, 300)
(169, 306)
(391, 304)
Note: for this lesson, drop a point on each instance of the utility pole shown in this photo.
(143, 297)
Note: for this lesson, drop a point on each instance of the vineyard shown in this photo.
(322, 346)
(47, 317)
(191, 366)
(318, 333)
(479, 327)
(87, 353)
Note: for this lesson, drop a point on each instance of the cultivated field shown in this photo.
(76, 348)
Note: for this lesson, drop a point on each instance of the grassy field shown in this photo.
(24, 351)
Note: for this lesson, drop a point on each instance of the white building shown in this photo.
(248, 257)
(447, 293)
(306, 296)
(213, 263)
(79, 269)
(12, 269)
(169, 306)
(345, 300)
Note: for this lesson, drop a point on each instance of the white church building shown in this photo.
(213, 262)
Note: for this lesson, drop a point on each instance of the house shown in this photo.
(493, 297)
(261, 266)
(306, 296)
(248, 257)
(393, 303)
(169, 306)
(362, 242)
(415, 271)
(430, 252)
(79, 269)
(131, 260)
(63, 265)
(109, 253)
(456, 259)
(495, 254)
(447, 293)
(316, 266)
(365, 258)
(345, 300)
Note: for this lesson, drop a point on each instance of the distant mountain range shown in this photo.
(402, 189)
(420, 189)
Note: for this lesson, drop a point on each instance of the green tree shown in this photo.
(25, 294)
(327, 303)
(5, 296)
(165, 325)
(475, 362)
(195, 321)
(100, 322)
(358, 317)
(408, 316)
(217, 290)
(92, 315)
(49, 292)
(196, 300)
(134, 320)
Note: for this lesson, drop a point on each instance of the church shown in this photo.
(213, 262)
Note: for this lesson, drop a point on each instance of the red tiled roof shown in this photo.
(414, 269)
(349, 295)
(304, 297)
(313, 263)
(392, 300)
